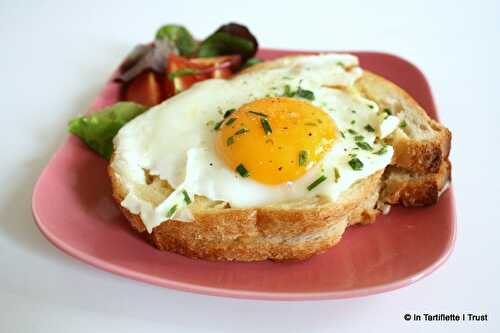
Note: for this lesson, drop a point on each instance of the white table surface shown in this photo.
(54, 58)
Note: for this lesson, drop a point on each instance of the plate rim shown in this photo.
(104, 265)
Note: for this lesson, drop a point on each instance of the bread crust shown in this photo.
(423, 156)
(274, 232)
(413, 189)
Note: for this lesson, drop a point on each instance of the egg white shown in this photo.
(175, 140)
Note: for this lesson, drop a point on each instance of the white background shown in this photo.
(54, 58)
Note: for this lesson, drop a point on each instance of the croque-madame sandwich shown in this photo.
(277, 161)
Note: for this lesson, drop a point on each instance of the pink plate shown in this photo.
(73, 208)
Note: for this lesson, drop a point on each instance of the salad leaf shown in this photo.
(241, 31)
(146, 57)
(134, 56)
(231, 38)
(98, 129)
(179, 36)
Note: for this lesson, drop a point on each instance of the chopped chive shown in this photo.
(241, 131)
(310, 124)
(356, 163)
(218, 125)
(337, 174)
(363, 145)
(402, 124)
(258, 113)
(369, 128)
(353, 122)
(370, 106)
(306, 94)
(230, 121)
(302, 93)
(351, 131)
(316, 182)
(230, 140)
(353, 111)
(266, 125)
(340, 63)
(187, 199)
(386, 110)
(342, 134)
(288, 91)
(359, 138)
(242, 171)
(302, 157)
(382, 150)
(228, 112)
(171, 211)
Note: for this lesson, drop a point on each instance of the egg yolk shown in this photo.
(274, 140)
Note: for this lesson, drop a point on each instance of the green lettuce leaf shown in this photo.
(179, 36)
(98, 129)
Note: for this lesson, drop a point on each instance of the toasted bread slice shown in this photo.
(422, 144)
(301, 229)
(279, 232)
(400, 186)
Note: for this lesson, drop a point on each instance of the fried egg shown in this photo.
(287, 132)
